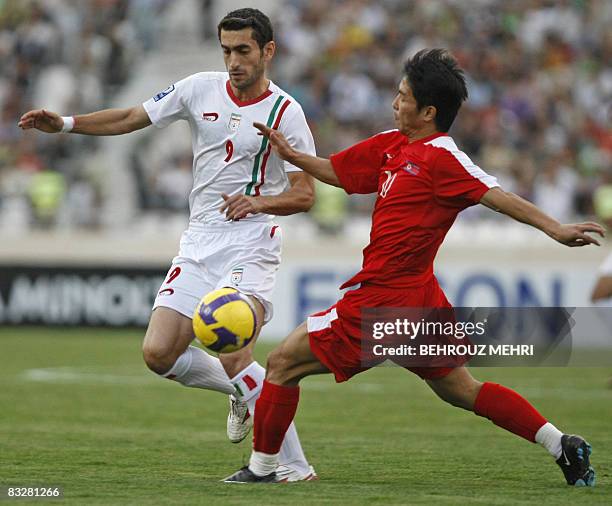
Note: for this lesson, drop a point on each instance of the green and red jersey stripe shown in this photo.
(267, 155)
(261, 159)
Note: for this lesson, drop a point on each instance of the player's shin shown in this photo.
(509, 410)
(196, 368)
(274, 413)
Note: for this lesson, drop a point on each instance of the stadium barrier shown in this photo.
(113, 281)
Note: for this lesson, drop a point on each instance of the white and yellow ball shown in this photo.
(224, 321)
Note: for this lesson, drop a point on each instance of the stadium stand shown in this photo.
(538, 116)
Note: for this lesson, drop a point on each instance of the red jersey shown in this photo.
(422, 186)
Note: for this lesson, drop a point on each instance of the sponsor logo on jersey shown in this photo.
(237, 275)
(412, 168)
(210, 116)
(387, 184)
(234, 121)
(166, 291)
(162, 94)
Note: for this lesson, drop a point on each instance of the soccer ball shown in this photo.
(224, 321)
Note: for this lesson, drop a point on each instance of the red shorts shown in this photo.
(335, 334)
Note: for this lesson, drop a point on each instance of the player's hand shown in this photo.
(238, 206)
(43, 120)
(575, 234)
(277, 140)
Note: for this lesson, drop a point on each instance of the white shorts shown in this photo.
(243, 255)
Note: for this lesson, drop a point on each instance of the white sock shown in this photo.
(291, 453)
(248, 384)
(196, 368)
(550, 438)
(262, 464)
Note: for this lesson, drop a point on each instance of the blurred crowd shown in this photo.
(538, 117)
(539, 74)
(67, 56)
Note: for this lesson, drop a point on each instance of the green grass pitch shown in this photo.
(78, 409)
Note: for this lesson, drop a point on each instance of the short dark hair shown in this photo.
(248, 18)
(436, 79)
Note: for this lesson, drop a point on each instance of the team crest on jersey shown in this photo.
(412, 168)
(162, 94)
(234, 121)
(210, 116)
(237, 275)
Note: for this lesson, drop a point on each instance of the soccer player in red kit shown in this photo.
(423, 181)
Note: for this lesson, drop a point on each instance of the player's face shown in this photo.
(408, 118)
(244, 60)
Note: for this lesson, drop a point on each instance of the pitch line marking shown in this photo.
(96, 376)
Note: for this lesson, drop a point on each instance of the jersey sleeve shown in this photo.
(297, 132)
(358, 167)
(458, 182)
(168, 105)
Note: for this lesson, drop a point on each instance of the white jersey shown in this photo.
(228, 154)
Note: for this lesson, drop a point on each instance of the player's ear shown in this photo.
(269, 49)
(429, 113)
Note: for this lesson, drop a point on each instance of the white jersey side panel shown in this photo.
(228, 155)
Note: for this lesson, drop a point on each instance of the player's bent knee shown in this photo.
(275, 361)
(159, 359)
(279, 367)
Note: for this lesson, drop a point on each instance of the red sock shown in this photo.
(507, 409)
(274, 412)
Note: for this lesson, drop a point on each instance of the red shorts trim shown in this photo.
(335, 334)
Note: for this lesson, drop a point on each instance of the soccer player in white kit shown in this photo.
(239, 185)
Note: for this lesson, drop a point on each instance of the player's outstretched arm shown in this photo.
(574, 234)
(320, 168)
(105, 122)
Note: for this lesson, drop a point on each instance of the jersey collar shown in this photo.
(241, 103)
(428, 138)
